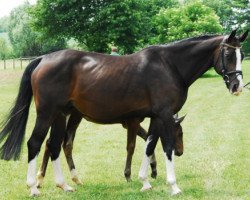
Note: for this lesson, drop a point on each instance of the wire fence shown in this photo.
(16, 63)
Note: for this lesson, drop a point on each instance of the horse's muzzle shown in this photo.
(178, 153)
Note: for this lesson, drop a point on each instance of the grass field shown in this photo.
(215, 164)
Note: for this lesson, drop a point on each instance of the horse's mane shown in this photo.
(193, 39)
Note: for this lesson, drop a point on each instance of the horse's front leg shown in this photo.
(143, 134)
(149, 151)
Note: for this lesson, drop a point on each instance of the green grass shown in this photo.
(215, 164)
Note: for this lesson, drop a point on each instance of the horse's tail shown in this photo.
(15, 123)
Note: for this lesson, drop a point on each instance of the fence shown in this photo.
(17, 63)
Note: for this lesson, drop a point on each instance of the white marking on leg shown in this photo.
(238, 67)
(143, 173)
(59, 179)
(31, 178)
(171, 179)
(74, 177)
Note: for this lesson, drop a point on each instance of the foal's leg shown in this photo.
(166, 131)
(133, 127)
(42, 170)
(143, 134)
(72, 125)
(162, 127)
(57, 135)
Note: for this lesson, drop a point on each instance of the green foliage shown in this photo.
(24, 40)
(233, 14)
(99, 24)
(4, 24)
(188, 20)
(5, 50)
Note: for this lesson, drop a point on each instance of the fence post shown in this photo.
(21, 63)
(4, 63)
(13, 63)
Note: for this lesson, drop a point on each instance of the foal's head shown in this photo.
(178, 136)
(230, 57)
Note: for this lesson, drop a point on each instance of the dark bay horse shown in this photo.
(108, 89)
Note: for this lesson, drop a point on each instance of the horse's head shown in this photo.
(178, 136)
(230, 59)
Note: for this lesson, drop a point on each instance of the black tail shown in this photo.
(15, 124)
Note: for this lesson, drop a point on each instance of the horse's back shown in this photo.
(100, 86)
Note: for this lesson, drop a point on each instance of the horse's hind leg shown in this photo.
(58, 130)
(72, 125)
(40, 130)
(132, 130)
(143, 134)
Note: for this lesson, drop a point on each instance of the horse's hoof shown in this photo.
(66, 187)
(176, 192)
(128, 179)
(146, 188)
(154, 174)
(77, 181)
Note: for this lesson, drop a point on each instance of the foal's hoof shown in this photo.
(39, 180)
(77, 181)
(66, 187)
(34, 192)
(154, 174)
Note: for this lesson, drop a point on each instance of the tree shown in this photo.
(24, 40)
(233, 14)
(191, 19)
(5, 51)
(99, 24)
(4, 24)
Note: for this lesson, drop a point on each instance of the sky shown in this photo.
(7, 5)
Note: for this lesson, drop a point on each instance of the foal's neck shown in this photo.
(192, 59)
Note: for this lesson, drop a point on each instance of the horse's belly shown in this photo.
(110, 111)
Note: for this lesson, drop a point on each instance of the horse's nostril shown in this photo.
(235, 87)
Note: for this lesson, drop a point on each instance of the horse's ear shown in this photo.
(232, 35)
(243, 37)
(179, 120)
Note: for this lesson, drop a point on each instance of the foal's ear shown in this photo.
(232, 35)
(243, 37)
(179, 120)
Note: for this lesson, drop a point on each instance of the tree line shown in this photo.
(96, 25)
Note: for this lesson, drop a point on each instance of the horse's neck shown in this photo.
(193, 60)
